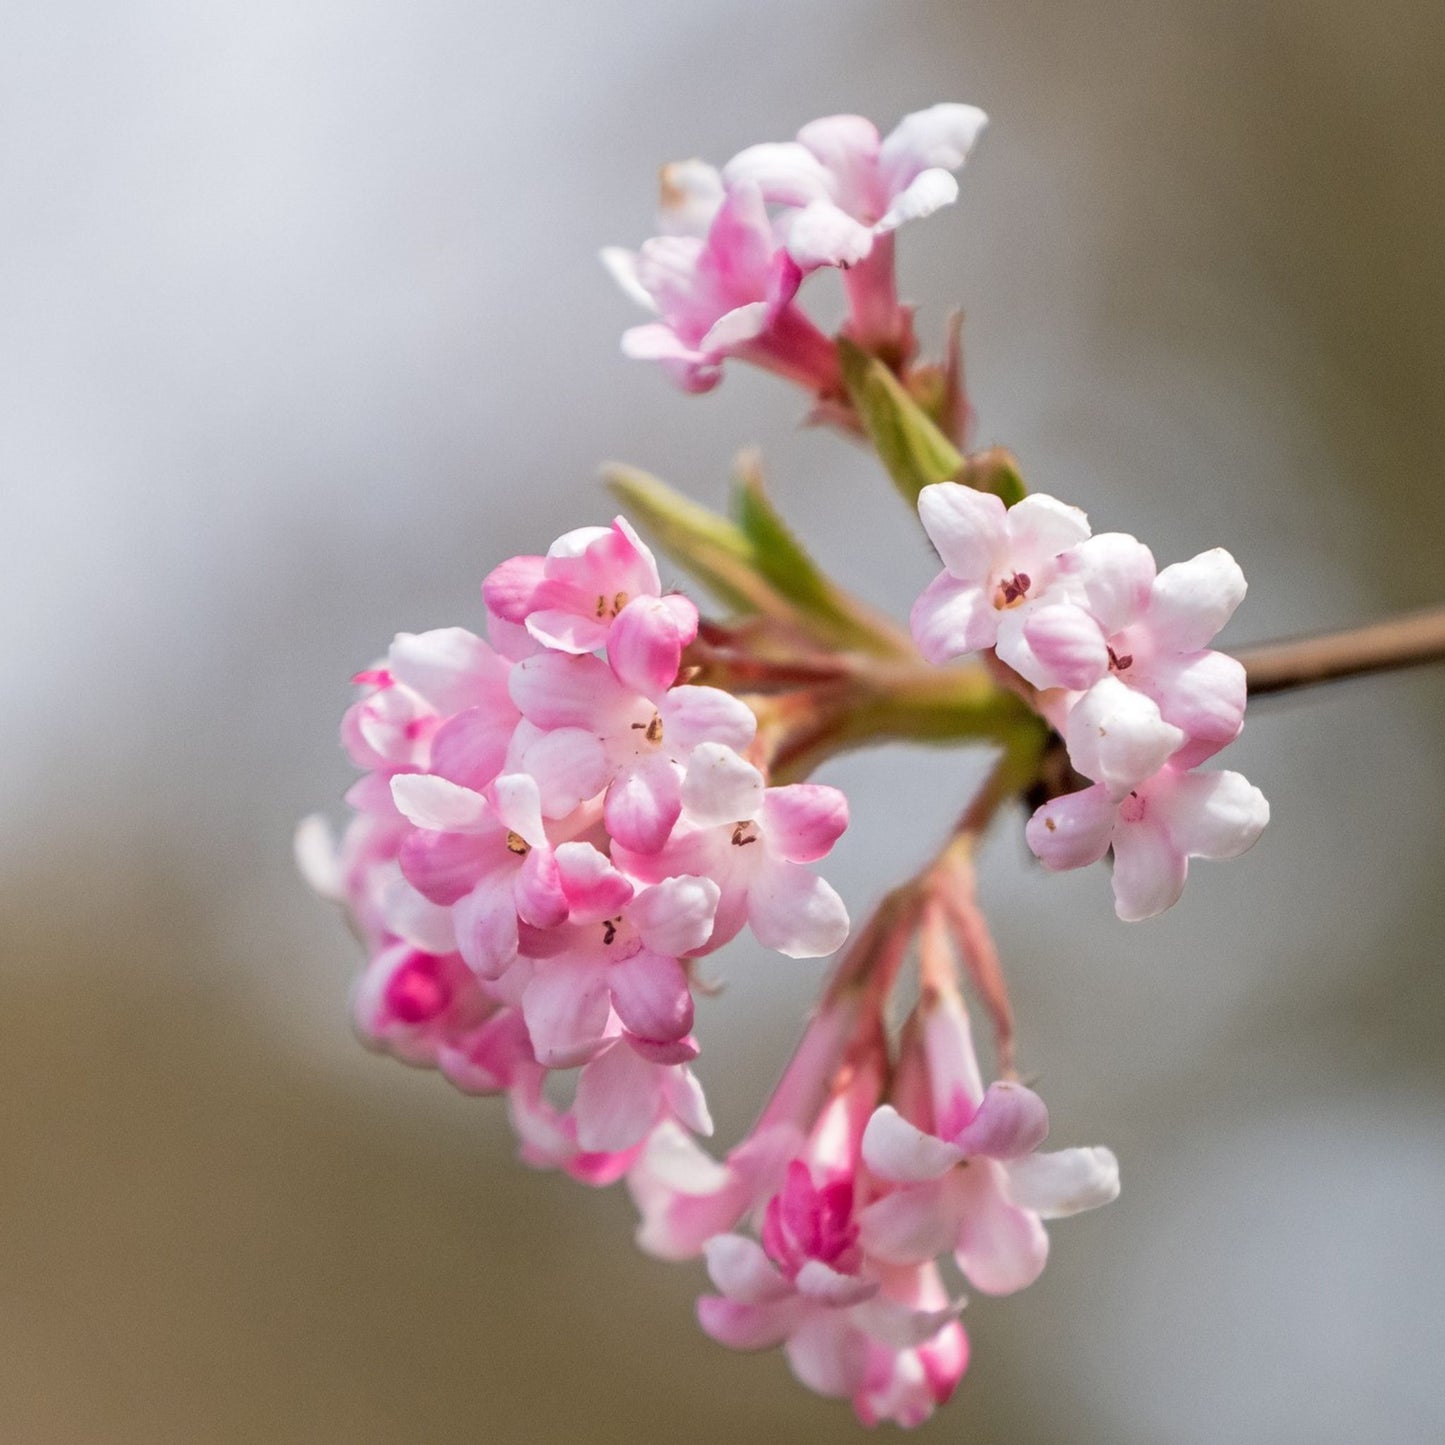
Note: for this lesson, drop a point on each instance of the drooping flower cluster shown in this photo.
(736, 245)
(553, 824)
(827, 1235)
(1118, 652)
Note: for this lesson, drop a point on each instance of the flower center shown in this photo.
(518, 845)
(611, 609)
(744, 833)
(1118, 663)
(652, 731)
(1131, 810)
(1011, 591)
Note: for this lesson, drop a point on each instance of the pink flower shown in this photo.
(569, 599)
(623, 727)
(976, 1185)
(849, 187)
(486, 857)
(846, 192)
(438, 701)
(842, 1318)
(1153, 830)
(727, 293)
(619, 954)
(754, 842)
(1116, 617)
(1000, 565)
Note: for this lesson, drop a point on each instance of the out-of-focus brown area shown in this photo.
(304, 331)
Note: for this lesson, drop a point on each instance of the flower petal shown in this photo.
(617, 1101)
(803, 820)
(967, 528)
(720, 787)
(898, 1151)
(739, 1267)
(486, 927)
(1215, 815)
(566, 1008)
(1193, 600)
(651, 996)
(828, 1355)
(795, 912)
(644, 803)
(1149, 868)
(1011, 1122)
(644, 645)
(1065, 1182)
(742, 1326)
(438, 805)
(951, 619)
(1001, 1247)
(1068, 645)
(676, 915)
(826, 1286)
(593, 887)
(693, 715)
(1074, 830)
(1116, 736)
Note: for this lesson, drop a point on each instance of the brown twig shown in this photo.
(1409, 641)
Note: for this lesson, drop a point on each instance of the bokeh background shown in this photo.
(301, 329)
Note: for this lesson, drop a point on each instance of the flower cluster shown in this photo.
(1118, 653)
(826, 1236)
(553, 825)
(736, 245)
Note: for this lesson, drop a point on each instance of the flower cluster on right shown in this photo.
(1117, 655)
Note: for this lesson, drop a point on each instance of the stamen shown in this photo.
(1012, 591)
(1120, 664)
(609, 929)
(743, 834)
(518, 845)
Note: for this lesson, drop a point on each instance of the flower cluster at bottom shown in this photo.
(552, 825)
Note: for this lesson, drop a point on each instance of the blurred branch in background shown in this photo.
(1400, 642)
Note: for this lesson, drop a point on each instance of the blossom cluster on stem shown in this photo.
(1115, 653)
(737, 243)
(553, 824)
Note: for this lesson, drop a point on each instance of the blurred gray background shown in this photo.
(301, 329)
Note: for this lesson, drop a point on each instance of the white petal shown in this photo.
(822, 234)
(316, 858)
(1149, 869)
(966, 526)
(437, 805)
(675, 916)
(740, 1268)
(927, 192)
(794, 911)
(1117, 737)
(720, 787)
(941, 136)
(787, 173)
(1192, 600)
(896, 1150)
(1215, 815)
(621, 265)
(1064, 1182)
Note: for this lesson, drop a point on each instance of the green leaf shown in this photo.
(914, 451)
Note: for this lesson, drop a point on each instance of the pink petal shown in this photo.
(787, 173)
(438, 805)
(1042, 527)
(1070, 648)
(685, 1097)
(676, 915)
(927, 192)
(566, 1008)
(822, 234)
(910, 1225)
(1193, 600)
(644, 803)
(951, 619)
(1063, 1183)
(796, 912)
(644, 646)
(594, 889)
(694, 715)
(1202, 692)
(538, 890)
(471, 747)
(567, 631)
(1074, 830)
(555, 690)
(939, 137)
(651, 996)
(898, 1151)
(1214, 815)
(450, 667)
(967, 528)
(742, 1271)
(486, 927)
(1116, 573)
(617, 1101)
(1011, 1122)
(826, 1286)
(745, 1326)
(666, 1051)
(1149, 868)
(803, 820)
(570, 766)
(1001, 1247)
(444, 866)
(508, 589)
(1117, 737)
(720, 787)
(828, 1355)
